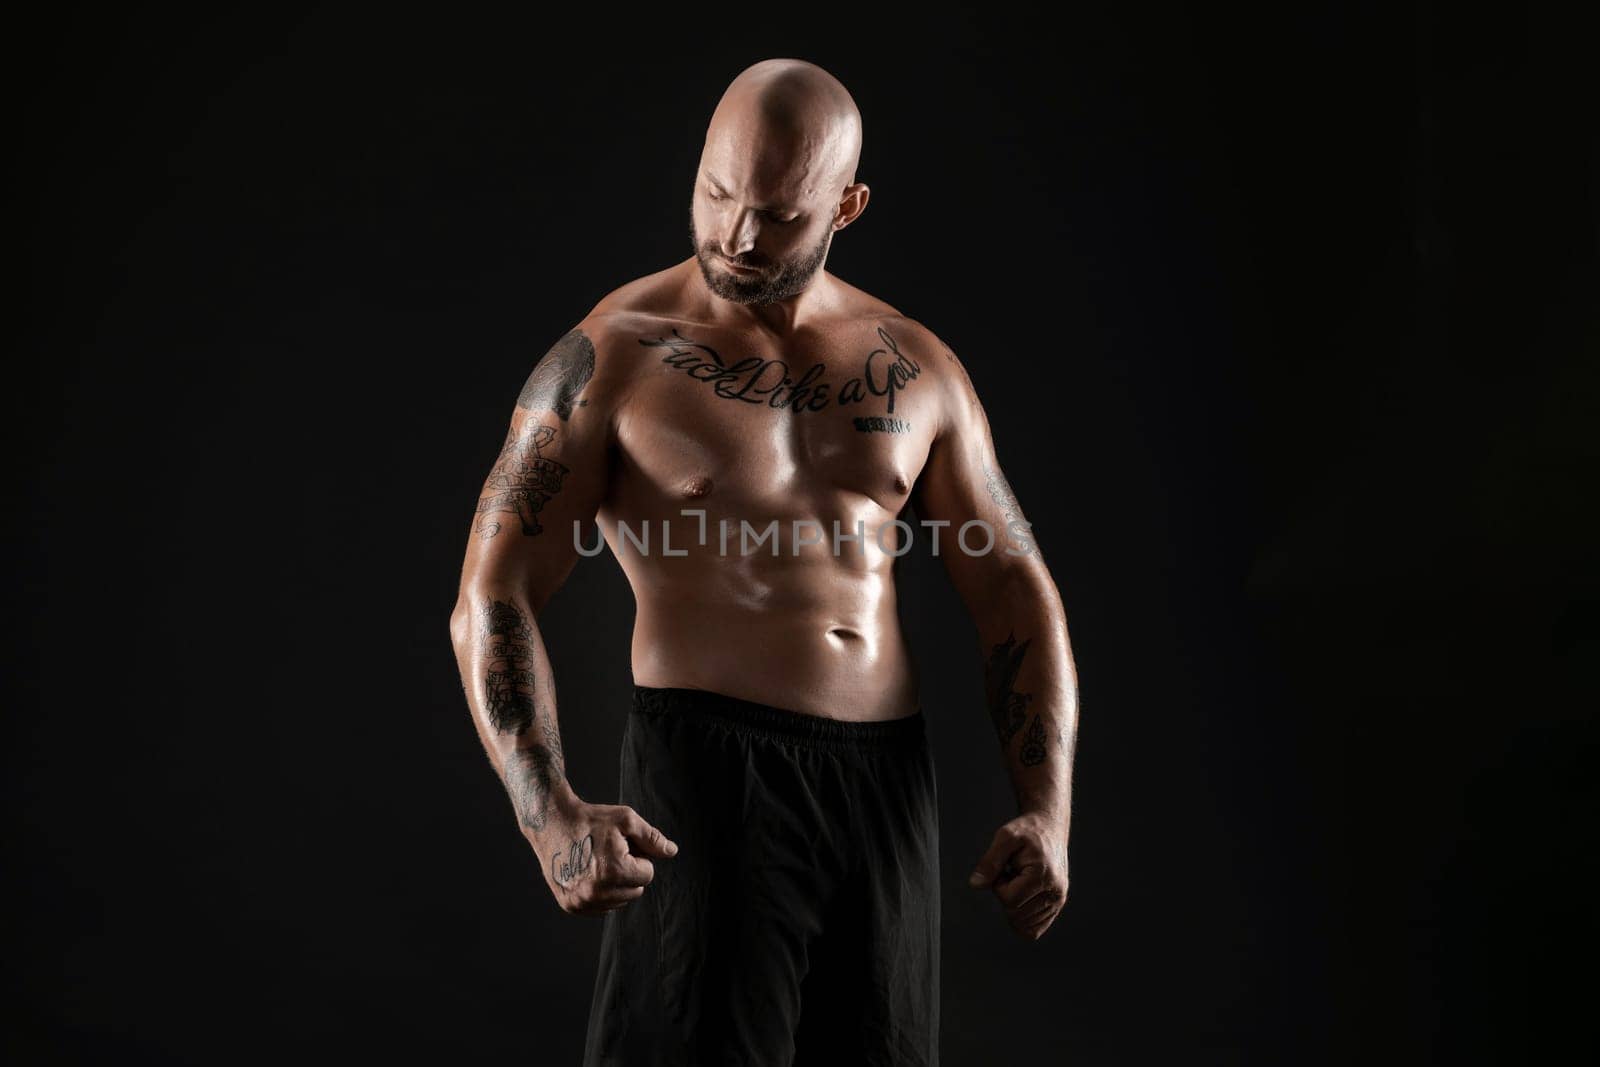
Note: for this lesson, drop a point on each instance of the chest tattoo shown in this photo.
(756, 380)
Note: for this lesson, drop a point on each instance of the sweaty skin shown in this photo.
(750, 384)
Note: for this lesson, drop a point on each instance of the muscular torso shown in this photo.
(831, 423)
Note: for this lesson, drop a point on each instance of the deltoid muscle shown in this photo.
(523, 478)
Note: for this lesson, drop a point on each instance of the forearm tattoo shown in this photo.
(1032, 753)
(757, 380)
(508, 684)
(509, 687)
(531, 775)
(1008, 706)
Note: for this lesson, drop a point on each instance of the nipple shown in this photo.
(900, 484)
(696, 487)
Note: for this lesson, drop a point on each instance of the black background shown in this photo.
(1286, 325)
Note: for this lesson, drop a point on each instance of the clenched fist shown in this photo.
(597, 857)
(1026, 866)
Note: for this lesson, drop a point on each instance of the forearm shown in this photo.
(505, 673)
(1030, 687)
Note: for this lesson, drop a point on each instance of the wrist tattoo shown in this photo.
(531, 775)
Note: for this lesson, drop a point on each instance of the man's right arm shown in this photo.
(551, 473)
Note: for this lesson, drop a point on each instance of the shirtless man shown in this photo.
(747, 428)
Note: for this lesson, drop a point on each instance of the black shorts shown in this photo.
(799, 922)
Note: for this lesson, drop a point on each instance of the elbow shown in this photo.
(1014, 591)
(461, 624)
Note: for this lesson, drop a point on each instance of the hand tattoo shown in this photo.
(574, 862)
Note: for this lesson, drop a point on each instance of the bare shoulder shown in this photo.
(933, 357)
(592, 357)
(959, 411)
(914, 338)
(654, 304)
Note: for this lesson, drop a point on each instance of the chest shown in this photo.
(849, 410)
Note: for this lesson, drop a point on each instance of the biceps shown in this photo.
(963, 482)
(964, 487)
(546, 479)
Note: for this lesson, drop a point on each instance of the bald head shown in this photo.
(791, 116)
(777, 180)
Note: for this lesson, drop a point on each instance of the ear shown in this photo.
(851, 205)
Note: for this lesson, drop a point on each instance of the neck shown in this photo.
(781, 317)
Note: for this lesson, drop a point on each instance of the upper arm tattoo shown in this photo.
(524, 477)
(522, 481)
(560, 376)
(1000, 492)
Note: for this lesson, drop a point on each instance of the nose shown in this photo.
(739, 233)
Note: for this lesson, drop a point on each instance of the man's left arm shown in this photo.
(1030, 684)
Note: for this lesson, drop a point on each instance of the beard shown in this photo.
(776, 280)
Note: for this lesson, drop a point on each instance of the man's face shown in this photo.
(758, 235)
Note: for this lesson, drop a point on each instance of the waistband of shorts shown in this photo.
(780, 724)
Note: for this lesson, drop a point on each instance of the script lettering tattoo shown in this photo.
(1033, 743)
(756, 380)
(573, 862)
(1007, 707)
(531, 774)
(521, 482)
(885, 377)
(508, 685)
(560, 376)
